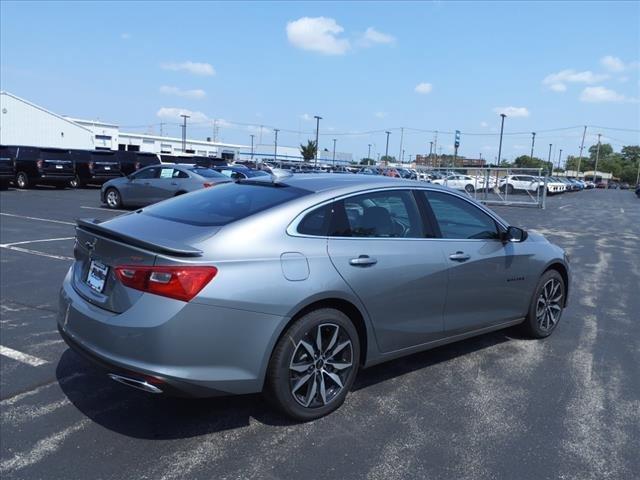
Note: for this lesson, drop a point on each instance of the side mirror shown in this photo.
(515, 234)
(130, 177)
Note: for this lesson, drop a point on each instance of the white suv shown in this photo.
(529, 183)
(461, 182)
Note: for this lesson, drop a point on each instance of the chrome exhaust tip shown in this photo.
(134, 383)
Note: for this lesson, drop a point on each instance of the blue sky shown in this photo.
(364, 67)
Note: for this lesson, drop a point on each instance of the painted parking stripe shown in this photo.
(36, 241)
(21, 357)
(36, 218)
(104, 208)
(35, 252)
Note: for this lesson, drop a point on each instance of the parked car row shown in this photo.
(28, 166)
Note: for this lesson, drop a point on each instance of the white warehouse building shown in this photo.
(24, 123)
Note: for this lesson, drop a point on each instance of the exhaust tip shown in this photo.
(134, 383)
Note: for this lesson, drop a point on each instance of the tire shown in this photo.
(510, 189)
(550, 295)
(112, 198)
(22, 180)
(327, 382)
(76, 183)
(469, 188)
(179, 193)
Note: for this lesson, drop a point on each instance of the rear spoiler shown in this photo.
(161, 246)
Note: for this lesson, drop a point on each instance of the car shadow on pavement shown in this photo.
(142, 415)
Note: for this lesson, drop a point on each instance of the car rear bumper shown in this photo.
(187, 348)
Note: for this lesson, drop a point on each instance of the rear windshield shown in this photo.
(223, 204)
(207, 172)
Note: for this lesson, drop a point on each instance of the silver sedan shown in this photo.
(158, 182)
(291, 285)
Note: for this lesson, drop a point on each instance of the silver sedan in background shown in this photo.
(158, 182)
(290, 285)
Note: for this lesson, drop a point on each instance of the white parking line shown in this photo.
(36, 252)
(21, 357)
(563, 206)
(36, 218)
(104, 208)
(35, 241)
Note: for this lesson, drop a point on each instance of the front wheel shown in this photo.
(22, 180)
(76, 182)
(546, 306)
(469, 188)
(314, 365)
(113, 199)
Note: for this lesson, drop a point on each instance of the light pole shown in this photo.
(595, 174)
(401, 151)
(386, 150)
(275, 148)
(252, 146)
(318, 118)
(584, 132)
(184, 132)
(369, 152)
(334, 153)
(549, 159)
(500, 146)
(559, 158)
(533, 141)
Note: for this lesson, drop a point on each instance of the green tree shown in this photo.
(308, 151)
(605, 150)
(525, 161)
(367, 161)
(387, 158)
(631, 153)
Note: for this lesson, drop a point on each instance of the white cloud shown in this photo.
(172, 113)
(195, 68)
(125, 36)
(601, 94)
(558, 81)
(306, 117)
(373, 37)
(317, 34)
(484, 124)
(613, 64)
(512, 112)
(423, 88)
(380, 114)
(196, 93)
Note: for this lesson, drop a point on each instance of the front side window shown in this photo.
(147, 174)
(386, 214)
(457, 218)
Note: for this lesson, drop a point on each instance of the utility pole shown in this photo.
(402, 157)
(595, 174)
(369, 153)
(401, 151)
(430, 149)
(275, 147)
(549, 159)
(533, 142)
(252, 146)
(161, 129)
(638, 175)
(584, 132)
(500, 146)
(386, 150)
(334, 153)
(184, 132)
(317, 133)
(559, 157)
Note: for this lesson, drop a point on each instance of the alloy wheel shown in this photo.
(549, 304)
(320, 365)
(112, 198)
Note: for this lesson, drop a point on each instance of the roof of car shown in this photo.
(320, 182)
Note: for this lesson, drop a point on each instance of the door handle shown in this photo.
(174, 183)
(363, 261)
(459, 257)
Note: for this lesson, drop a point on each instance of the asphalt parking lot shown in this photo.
(496, 406)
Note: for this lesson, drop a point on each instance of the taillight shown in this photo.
(207, 184)
(39, 163)
(179, 282)
(91, 165)
(137, 165)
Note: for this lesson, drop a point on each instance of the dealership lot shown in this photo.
(497, 406)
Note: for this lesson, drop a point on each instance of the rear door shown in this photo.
(485, 275)
(139, 190)
(380, 246)
(56, 163)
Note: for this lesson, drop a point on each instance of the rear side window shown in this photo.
(459, 219)
(206, 172)
(224, 203)
(316, 222)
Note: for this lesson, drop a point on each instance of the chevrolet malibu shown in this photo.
(290, 285)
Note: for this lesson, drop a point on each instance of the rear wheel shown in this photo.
(509, 189)
(22, 180)
(113, 199)
(314, 365)
(546, 306)
(469, 188)
(76, 182)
